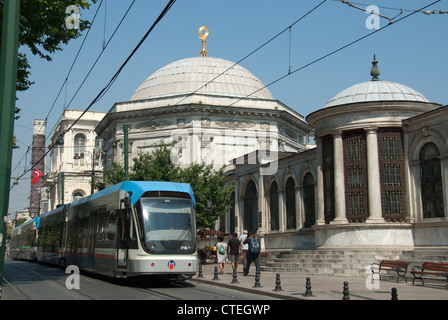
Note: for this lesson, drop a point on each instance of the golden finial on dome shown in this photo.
(203, 35)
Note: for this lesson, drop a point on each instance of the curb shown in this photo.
(249, 290)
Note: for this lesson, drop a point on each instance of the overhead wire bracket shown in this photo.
(371, 12)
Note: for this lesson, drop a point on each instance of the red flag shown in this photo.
(36, 176)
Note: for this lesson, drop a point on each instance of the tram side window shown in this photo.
(127, 229)
(138, 210)
(107, 226)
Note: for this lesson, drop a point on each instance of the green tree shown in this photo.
(207, 183)
(155, 166)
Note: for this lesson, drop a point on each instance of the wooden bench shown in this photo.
(400, 267)
(432, 269)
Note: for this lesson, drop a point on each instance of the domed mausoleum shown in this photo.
(211, 109)
(376, 180)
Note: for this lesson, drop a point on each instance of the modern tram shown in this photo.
(130, 229)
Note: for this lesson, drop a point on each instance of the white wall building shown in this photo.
(73, 163)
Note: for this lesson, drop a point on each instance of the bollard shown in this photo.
(234, 277)
(200, 275)
(278, 286)
(394, 294)
(216, 274)
(308, 292)
(346, 292)
(257, 281)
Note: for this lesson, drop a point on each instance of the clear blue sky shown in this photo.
(412, 52)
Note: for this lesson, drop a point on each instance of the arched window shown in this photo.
(273, 205)
(80, 148)
(308, 200)
(290, 204)
(251, 208)
(431, 181)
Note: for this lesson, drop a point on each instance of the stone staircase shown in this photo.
(345, 262)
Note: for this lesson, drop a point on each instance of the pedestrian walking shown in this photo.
(234, 250)
(221, 253)
(254, 250)
(245, 248)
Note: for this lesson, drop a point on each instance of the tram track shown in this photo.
(55, 287)
(35, 281)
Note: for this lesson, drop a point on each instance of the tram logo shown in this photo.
(171, 264)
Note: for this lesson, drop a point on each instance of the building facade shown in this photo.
(76, 161)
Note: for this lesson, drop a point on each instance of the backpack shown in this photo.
(222, 250)
(254, 246)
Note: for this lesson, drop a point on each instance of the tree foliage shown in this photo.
(207, 183)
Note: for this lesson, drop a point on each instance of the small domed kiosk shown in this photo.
(360, 144)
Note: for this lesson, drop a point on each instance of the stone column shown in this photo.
(281, 210)
(261, 205)
(320, 184)
(373, 177)
(299, 206)
(339, 183)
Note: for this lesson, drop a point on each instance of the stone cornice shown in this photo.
(373, 106)
(201, 109)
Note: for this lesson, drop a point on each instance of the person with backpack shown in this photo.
(221, 253)
(254, 250)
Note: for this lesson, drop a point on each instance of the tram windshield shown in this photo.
(167, 219)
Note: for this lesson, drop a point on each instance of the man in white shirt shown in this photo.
(245, 248)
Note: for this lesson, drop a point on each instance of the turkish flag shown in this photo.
(36, 176)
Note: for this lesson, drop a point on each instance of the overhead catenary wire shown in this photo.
(248, 55)
(336, 51)
(254, 51)
(321, 58)
(64, 84)
(113, 79)
(93, 66)
(291, 72)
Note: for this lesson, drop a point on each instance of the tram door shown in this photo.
(124, 218)
(122, 243)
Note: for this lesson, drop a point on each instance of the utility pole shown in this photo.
(126, 153)
(8, 79)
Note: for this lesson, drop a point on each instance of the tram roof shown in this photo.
(138, 188)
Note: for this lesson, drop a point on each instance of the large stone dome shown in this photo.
(376, 90)
(192, 75)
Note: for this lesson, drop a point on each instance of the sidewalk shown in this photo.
(322, 287)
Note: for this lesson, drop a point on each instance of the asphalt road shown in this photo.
(34, 281)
